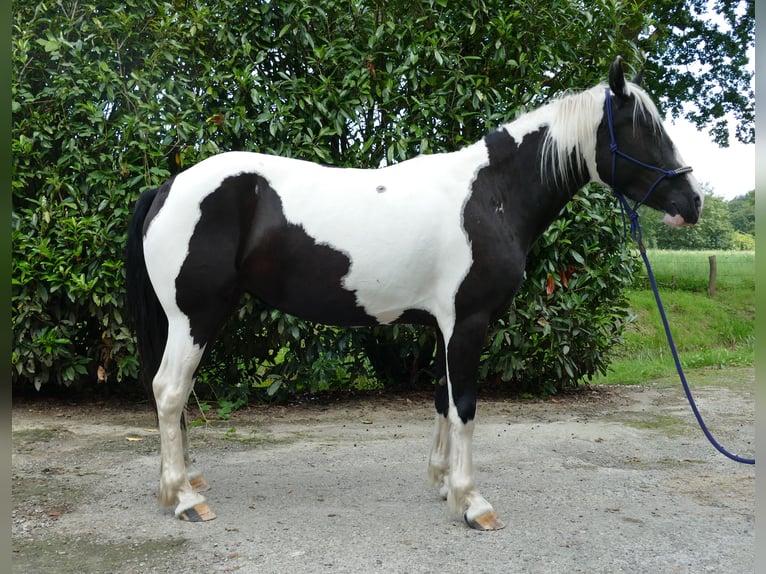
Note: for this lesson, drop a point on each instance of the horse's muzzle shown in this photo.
(676, 220)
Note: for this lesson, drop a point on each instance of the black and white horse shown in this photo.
(438, 240)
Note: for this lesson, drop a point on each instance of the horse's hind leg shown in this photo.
(438, 459)
(172, 385)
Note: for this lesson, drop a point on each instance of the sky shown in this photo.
(729, 171)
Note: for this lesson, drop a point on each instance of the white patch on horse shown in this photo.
(418, 218)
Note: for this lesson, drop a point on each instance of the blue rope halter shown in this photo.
(635, 230)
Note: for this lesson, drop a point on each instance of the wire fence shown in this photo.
(691, 270)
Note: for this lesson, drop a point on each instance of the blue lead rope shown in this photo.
(635, 231)
(680, 370)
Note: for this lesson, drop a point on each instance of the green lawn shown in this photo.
(710, 332)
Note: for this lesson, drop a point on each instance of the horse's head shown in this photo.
(636, 157)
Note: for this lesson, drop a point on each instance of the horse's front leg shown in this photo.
(462, 360)
(463, 497)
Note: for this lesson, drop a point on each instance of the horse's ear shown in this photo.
(639, 78)
(617, 78)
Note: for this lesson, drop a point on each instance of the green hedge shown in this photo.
(109, 100)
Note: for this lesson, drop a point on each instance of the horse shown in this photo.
(439, 240)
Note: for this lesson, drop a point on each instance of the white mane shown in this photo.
(572, 122)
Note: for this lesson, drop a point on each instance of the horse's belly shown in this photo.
(292, 271)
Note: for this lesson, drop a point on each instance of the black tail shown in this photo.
(147, 317)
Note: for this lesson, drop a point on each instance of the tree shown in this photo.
(109, 100)
(697, 62)
(742, 213)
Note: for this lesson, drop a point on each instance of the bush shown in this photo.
(742, 241)
(109, 100)
(571, 309)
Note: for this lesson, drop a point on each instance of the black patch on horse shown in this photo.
(243, 243)
(287, 269)
(497, 222)
(207, 287)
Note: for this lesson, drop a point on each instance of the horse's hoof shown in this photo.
(198, 513)
(486, 521)
(199, 484)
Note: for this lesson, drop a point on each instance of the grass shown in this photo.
(709, 331)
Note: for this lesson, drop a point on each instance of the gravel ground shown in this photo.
(615, 479)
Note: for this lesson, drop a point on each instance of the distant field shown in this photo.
(710, 332)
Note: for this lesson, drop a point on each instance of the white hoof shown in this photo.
(485, 521)
(480, 515)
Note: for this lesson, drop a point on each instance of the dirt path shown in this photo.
(614, 480)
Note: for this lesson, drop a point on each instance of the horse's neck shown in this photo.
(532, 201)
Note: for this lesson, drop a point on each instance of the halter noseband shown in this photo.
(664, 173)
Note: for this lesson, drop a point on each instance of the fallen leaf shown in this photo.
(134, 439)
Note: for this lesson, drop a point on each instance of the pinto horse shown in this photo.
(439, 240)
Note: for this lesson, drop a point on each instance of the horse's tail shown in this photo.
(146, 314)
